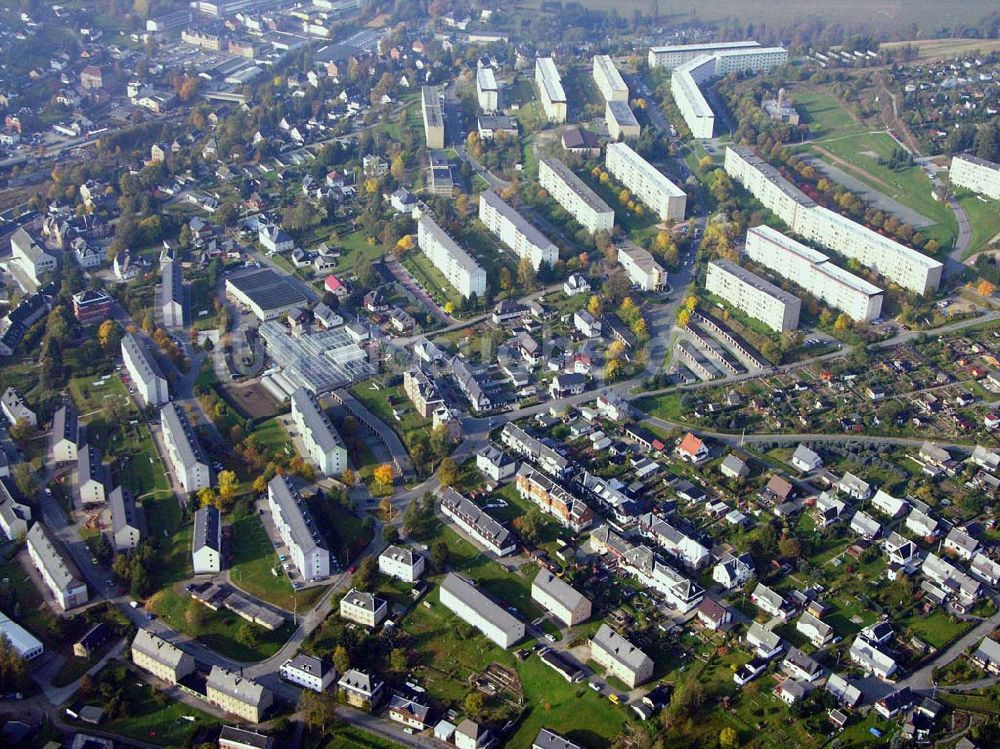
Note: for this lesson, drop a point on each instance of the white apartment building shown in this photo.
(458, 267)
(171, 296)
(308, 672)
(58, 571)
(978, 175)
(32, 258)
(185, 454)
(363, 608)
(641, 268)
(206, 544)
(813, 271)
(620, 658)
(487, 91)
(401, 563)
(760, 299)
(476, 608)
(514, 231)
(620, 120)
(322, 442)
(550, 89)
(65, 434)
(694, 65)
(150, 382)
(297, 529)
(592, 213)
(560, 598)
(609, 81)
(430, 105)
(673, 55)
(165, 661)
(902, 265)
(646, 182)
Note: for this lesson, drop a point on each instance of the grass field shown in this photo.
(162, 724)
(217, 629)
(432, 280)
(945, 49)
(253, 560)
(273, 438)
(377, 402)
(984, 218)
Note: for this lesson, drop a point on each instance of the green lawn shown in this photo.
(163, 724)
(217, 629)
(377, 402)
(172, 537)
(91, 393)
(825, 114)
(348, 737)
(431, 279)
(29, 611)
(984, 218)
(273, 438)
(253, 562)
(937, 629)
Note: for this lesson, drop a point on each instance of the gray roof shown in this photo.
(245, 690)
(269, 290)
(310, 664)
(761, 284)
(172, 288)
(962, 540)
(547, 739)
(490, 529)
(551, 79)
(57, 563)
(207, 528)
(620, 649)
(577, 185)
(559, 589)
(530, 232)
(430, 101)
(622, 112)
(245, 738)
(805, 454)
(482, 605)
(360, 681)
(797, 658)
(363, 600)
(124, 511)
(401, 554)
(321, 429)
(143, 358)
(89, 465)
(151, 644)
(184, 439)
(65, 424)
(296, 515)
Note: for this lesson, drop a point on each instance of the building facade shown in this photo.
(646, 182)
(620, 658)
(608, 80)
(149, 380)
(306, 546)
(430, 107)
(322, 442)
(560, 598)
(592, 213)
(56, 568)
(459, 268)
(641, 267)
(620, 120)
(550, 89)
(758, 298)
(515, 232)
(487, 91)
(184, 452)
(978, 175)
(165, 661)
(237, 695)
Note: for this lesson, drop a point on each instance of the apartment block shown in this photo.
(401, 563)
(813, 271)
(65, 434)
(459, 268)
(620, 658)
(57, 569)
(171, 297)
(128, 523)
(306, 546)
(758, 298)
(185, 454)
(671, 56)
(978, 175)
(609, 81)
(646, 182)
(165, 661)
(476, 608)
(550, 89)
(902, 265)
(515, 232)
(237, 695)
(592, 213)
(620, 120)
(430, 105)
(641, 267)
(149, 380)
(422, 392)
(206, 544)
(487, 91)
(363, 608)
(569, 510)
(560, 598)
(477, 523)
(322, 442)
(692, 104)
(309, 672)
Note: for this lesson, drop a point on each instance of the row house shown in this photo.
(553, 499)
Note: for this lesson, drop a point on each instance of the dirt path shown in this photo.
(849, 167)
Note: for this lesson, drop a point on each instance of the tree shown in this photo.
(341, 659)
(474, 703)
(687, 700)
(526, 274)
(790, 547)
(842, 323)
(447, 472)
(246, 635)
(595, 307)
(531, 525)
(229, 484)
(383, 474)
(26, 480)
(398, 660)
(364, 578)
(318, 709)
(22, 431)
(260, 484)
(727, 737)
(108, 334)
(385, 505)
(440, 554)
(390, 534)
(985, 288)
(207, 497)
(348, 477)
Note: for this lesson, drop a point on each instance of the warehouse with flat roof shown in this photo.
(266, 293)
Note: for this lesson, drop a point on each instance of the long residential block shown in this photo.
(567, 189)
(487, 91)
(902, 265)
(430, 105)
(813, 271)
(514, 231)
(550, 89)
(609, 81)
(759, 298)
(976, 174)
(458, 267)
(475, 607)
(150, 382)
(297, 529)
(671, 56)
(171, 294)
(185, 454)
(57, 569)
(476, 522)
(646, 182)
(620, 658)
(322, 442)
(165, 661)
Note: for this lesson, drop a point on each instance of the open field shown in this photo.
(253, 562)
(890, 15)
(159, 721)
(945, 49)
(984, 217)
